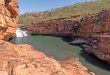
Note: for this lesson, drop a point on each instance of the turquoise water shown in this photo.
(59, 49)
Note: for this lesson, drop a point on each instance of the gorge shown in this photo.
(61, 50)
(93, 28)
(22, 59)
(19, 58)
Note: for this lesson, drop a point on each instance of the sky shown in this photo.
(42, 5)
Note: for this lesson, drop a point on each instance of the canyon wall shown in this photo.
(94, 28)
(8, 18)
(18, 59)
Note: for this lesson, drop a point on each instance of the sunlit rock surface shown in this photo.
(8, 18)
(24, 60)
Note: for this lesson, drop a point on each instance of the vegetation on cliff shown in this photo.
(78, 8)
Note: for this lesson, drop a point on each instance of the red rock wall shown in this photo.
(23, 59)
(95, 26)
(8, 18)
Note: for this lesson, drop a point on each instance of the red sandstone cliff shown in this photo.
(23, 59)
(94, 28)
(8, 18)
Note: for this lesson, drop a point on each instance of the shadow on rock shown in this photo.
(90, 58)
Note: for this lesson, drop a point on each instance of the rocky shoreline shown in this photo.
(22, 59)
(93, 28)
(19, 59)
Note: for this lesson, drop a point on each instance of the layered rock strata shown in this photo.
(23, 59)
(94, 28)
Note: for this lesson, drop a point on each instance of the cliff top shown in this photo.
(76, 9)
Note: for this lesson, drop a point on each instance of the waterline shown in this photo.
(60, 49)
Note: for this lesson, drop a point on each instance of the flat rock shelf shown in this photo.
(57, 48)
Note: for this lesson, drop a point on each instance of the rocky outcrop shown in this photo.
(8, 18)
(94, 28)
(24, 60)
(97, 33)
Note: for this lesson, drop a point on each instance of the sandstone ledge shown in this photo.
(24, 60)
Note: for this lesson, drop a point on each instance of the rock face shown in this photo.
(97, 32)
(8, 18)
(94, 28)
(24, 60)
